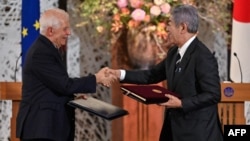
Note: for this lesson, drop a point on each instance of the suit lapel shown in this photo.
(184, 61)
(53, 49)
(59, 58)
(173, 56)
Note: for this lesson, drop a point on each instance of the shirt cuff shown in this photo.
(122, 76)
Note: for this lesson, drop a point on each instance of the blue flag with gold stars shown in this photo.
(30, 24)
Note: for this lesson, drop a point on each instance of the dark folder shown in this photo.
(147, 94)
(99, 108)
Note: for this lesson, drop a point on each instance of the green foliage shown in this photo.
(97, 10)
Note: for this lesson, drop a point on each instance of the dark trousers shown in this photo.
(166, 131)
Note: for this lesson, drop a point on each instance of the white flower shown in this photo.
(158, 2)
(155, 10)
(99, 29)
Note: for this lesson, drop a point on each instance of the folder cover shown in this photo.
(147, 94)
(98, 107)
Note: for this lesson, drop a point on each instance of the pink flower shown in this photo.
(165, 8)
(136, 3)
(155, 10)
(138, 14)
(122, 3)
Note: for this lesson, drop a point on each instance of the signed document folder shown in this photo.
(147, 94)
(99, 108)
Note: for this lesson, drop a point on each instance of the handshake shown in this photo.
(107, 76)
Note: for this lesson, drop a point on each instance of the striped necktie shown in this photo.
(177, 63)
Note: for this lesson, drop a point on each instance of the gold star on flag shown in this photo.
(36, 25)
(25, 31)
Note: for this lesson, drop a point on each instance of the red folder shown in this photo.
(147, 94)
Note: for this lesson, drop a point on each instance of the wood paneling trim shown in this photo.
(10, 90)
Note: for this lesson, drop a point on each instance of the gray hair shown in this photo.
(186, 14)
(52, 18)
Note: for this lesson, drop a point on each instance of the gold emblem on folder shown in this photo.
(157, 91)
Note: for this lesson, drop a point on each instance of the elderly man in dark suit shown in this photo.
(191, 71)
(44, 114)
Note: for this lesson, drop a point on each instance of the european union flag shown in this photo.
(30, 24)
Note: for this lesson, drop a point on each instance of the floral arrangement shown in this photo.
(109, 18)
(149, 15)
(115, 15)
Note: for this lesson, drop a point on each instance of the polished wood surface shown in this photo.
(12, 91)
(241, 92)
(231, 108)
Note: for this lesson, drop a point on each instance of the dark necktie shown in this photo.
(177, 63)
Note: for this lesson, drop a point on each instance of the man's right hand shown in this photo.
(104, 77)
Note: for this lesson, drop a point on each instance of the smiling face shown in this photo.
(60, 34)
(55, 26)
